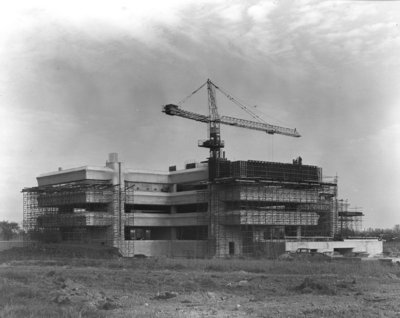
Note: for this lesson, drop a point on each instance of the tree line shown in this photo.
(10, 231)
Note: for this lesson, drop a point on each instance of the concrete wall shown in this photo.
(168, 248)
(143, 176)
(162, 198)
(107, 173)
(189, 175)
(180, 176)
(161, 219)
(75, 174)
(372, 247)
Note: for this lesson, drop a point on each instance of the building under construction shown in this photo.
(216, 208)
(251, 208)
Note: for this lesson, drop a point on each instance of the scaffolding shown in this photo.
(256, 206)
(72, 212)
(349, 219)
(245, 208)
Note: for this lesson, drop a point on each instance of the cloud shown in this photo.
(260, 11)
(232, 13)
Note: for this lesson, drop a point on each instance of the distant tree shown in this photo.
(392, 234)
(8, 230)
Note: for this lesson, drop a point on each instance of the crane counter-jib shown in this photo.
(174, 110)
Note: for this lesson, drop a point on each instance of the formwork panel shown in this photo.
(222, 168)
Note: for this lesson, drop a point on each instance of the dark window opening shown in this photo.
(146, 208)
(191, 165)
(132, 233)
(196, 207)
(192, 233)
(231, 248)
(291, 230)
(248, 205)
(147, 233)
(190, 187)
(274, 233)
(131, 187)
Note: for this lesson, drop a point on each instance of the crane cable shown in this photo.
(229, 96)
(247, 110)
(191, 94)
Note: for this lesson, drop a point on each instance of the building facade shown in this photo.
(209, 209)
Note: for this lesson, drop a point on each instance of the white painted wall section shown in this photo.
(372, 247)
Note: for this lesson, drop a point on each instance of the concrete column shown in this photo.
(117, 205)
(174, 187)
(173, 233)
(113, 164)
(298, 232)
(173, 211)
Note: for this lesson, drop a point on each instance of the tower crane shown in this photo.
(214, 143)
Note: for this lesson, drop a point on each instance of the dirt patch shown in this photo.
(69, 292)
(326, 285)
(102, 289)
(317, 286)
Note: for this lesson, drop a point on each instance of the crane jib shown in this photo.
(174, 110)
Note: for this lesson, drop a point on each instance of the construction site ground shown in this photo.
(40, 282)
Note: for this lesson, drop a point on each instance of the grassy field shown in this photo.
(42, 284)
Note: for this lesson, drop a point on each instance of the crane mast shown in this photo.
(214, 142)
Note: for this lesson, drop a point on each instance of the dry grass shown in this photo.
(301, 267)
(207, 287)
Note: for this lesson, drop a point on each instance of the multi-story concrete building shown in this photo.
(231, 208)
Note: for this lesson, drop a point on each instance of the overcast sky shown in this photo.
(79, 80)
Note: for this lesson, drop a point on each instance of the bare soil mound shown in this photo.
(326, 285)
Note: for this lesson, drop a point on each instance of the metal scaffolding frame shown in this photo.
(81, 211)
(256, 206)
(349, 219)
(252, 209)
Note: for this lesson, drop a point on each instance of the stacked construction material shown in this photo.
(278, 171)
(222, 168)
